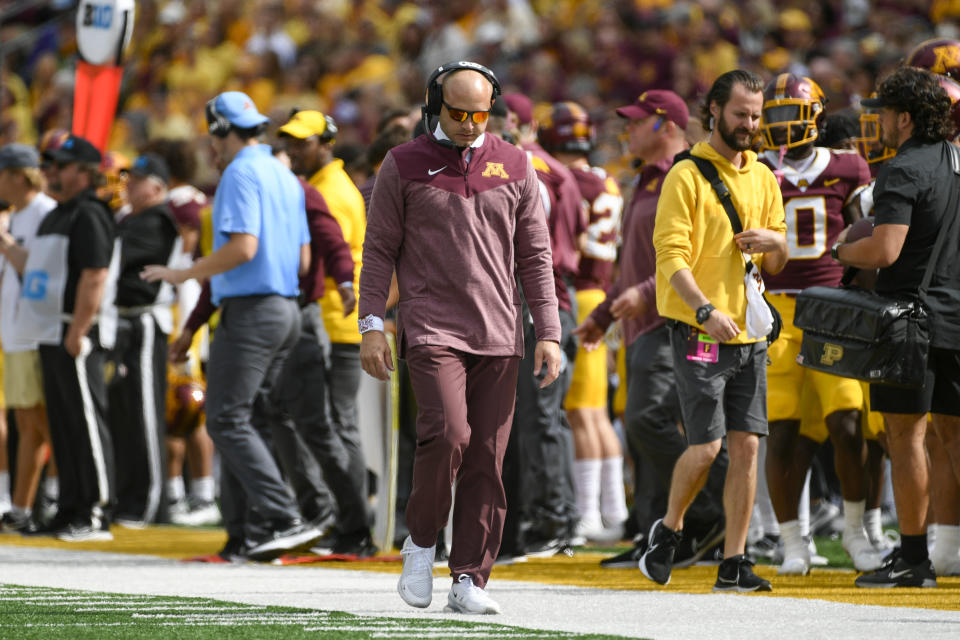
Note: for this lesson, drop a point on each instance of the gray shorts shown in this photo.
(722, 396)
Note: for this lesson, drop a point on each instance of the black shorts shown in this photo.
(940, 392)
(727, 395)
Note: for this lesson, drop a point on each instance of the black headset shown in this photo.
(217, 124)
(435, 89)
(434, 97)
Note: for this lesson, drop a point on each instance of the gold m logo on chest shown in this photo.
(831, 354)
(495, 170)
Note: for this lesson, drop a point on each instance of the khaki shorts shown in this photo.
(23, 379)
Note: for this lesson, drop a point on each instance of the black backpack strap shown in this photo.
(719, 186)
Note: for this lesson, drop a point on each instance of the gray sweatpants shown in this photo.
(250, 345)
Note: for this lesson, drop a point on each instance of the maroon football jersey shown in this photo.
(604, 204)
(186, 202)
(813, 202)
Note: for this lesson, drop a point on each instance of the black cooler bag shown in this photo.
(854, 333)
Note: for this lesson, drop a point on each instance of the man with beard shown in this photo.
(719, 351)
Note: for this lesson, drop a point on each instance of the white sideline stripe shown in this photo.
(90, 417)
(542, 608)
(149, 406)
(119, 606)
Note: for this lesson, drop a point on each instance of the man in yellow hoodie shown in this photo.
(309, 137)
(719, 357)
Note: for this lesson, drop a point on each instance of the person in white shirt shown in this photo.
(21, 184)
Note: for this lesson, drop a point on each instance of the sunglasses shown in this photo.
(460, 115)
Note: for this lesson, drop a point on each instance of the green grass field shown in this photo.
(37, 612)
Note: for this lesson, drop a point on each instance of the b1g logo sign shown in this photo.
(99, 16)
(104, 28)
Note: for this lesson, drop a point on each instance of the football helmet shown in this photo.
(869, 144)
(51, 140)
(114, 167)
(567, 127)
(185, 401)
(953, 92)
(939, 55)
(793, 111)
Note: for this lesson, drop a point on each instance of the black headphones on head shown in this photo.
(434, 97)
(435, 89)
(217, 124)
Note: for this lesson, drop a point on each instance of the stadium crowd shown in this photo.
(599, 98)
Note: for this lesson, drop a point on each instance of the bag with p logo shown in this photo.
(854, 333)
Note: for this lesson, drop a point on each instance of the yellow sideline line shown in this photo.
(583, 570)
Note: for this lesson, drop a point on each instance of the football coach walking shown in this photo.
(457, 214)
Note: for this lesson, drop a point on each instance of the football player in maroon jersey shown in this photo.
(819, 186)
(567, 133)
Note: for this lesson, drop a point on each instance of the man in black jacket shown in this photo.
(137, 389)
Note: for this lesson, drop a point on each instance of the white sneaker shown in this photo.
(946, 566)
(465, 597)
(199, 514)
(594, 530)
(416, 580)
(796, 561)
(863, 554)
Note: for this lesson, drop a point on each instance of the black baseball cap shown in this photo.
(75, 149)
(150, 164)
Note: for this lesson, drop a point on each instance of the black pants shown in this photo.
(651, 422)
(76, 406)
(303, 431)
(137, 402)
(538, 468)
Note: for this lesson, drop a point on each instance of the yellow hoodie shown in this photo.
(346, 205)
(693, 232)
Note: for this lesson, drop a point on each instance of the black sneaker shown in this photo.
(629, 559)
(767, 548)
(736, 574)
(547, 548)
(694, 547)
(51, 528)
(234, 551)
(294, 536)
(896, 572)
(357, 544)
(14, 521)
(657, 561)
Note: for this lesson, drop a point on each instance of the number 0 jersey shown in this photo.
(604, 204)
(813, 203)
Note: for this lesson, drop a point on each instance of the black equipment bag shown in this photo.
(854, 333)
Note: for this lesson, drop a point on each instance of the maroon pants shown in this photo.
(465, 410)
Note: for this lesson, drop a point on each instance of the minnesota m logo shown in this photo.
(495, 169)
(947, 56)
(831, 354)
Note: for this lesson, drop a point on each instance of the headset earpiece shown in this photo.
(217, 125)
(330, 130)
